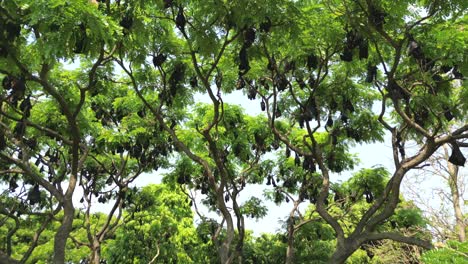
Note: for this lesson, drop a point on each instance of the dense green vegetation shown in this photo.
(96, 93)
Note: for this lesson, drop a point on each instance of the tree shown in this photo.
(307, 232)
(43, 115)
(336, 98)
(243, 141)
(456, 185)
(40, 229)
(55, 131)
(454, 252)
(449, 191)
(158, 227)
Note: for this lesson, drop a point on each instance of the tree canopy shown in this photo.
(96, 93)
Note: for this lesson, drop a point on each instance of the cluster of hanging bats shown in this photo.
(13, 85)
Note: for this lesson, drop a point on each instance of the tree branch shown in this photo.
(399, 238)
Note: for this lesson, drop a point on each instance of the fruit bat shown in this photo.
(281, 82)
(297, 160)
(457, 158)
(333, 104)
(159, 59)
(127, 21)
(289, 66)
(329, 121)
(265, 25)
(288, 152)
(3, 51)
(271, 64)
(13, 30)
(180, 19)
(109, 181)
(12, 185)
(34, 195)
(31, 143)
(176, 77)
(334, 139)
(273, 182)
(363, 50)
(308, 164)
(376, 16)
(167, 3)
(456, 73)
(371, 73)
(249, 37)
(348, 105)
(81, 39)
(369, 196)
(244, 61)
(277, 112)
(25, 107)
(311, 81)
(193, 82)
(347, 55)
(414, 49)
(396, 91)
(312, 62)
(3, 143)
(448, 114)
(17, 87)
(6, 82)
(344, 118)
(420, 117)
(240, 83)
(252, 93)
(19, 130)
(301, 83)
(101, 199)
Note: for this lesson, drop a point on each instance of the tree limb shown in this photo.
(399, 238)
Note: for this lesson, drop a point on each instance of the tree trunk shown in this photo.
(239, 254)
(63, 232)
(453, 183)
(343, 250)
(340, 256)
(290, 249)
(224, 253)
(96, 252)
(4, 258)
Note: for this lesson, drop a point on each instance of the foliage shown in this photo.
(94, 93)
(452, 252)
(158, 224)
